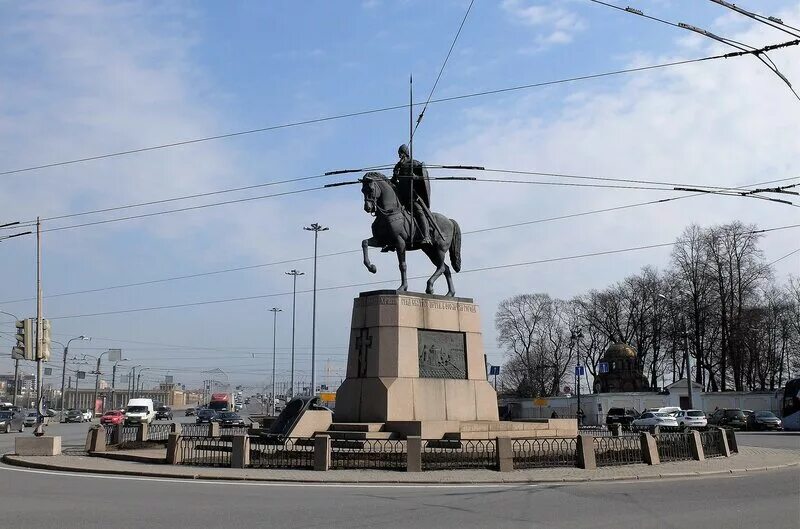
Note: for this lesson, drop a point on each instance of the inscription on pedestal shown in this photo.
(442, 354)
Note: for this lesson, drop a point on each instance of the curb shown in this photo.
(9, 459)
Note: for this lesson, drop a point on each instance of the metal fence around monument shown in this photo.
(712, 441)
(232, 431)
(545, 452)
(159, 432)
(289, 453)
(128, 434)
(381, 454)
(204, 451)
(624, 450)
(674, 446)
(443, 454)
(731, 435)
(110, 429)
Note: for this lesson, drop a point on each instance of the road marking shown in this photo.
(281, 483)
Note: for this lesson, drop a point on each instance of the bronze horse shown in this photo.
(392, 229)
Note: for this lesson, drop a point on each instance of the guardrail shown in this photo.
(289, 453)
(158, 431)
(382, 454)
(623, 450)
(439, 454)
(674, 446)
(544, 452)
(204, 451)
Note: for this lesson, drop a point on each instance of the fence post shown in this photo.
(240, 451)
(322, 452)
(143, 432)
(655, 430)
(505, 454)
(413, 453)
(723, 443)
(175, 428)
(213, 429)
(585, 451)
(696, 445)
(96, 439)
(649, 449)
(116, 434)
(733, 444)
(173, 449)
(615, 429)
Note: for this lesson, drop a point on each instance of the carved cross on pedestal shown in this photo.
(363, 342)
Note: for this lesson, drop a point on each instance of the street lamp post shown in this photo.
(64, 370)
(575, 338)
(114, 380)
(274, 312)
(294, 273)
(686, 359)
(316, 228)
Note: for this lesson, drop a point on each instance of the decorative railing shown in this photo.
(288, 453)
(159, 432)
(731, 435)
(624, 450)
(232, 431)
(544, 452)
(128, 434)
(195, 430)
(204, 451)
(443, 454)
(674, 447)
(712, 443)
(110, 429)
(383, 454)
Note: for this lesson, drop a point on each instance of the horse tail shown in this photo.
(455, 247)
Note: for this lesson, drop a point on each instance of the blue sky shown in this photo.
(84, 78)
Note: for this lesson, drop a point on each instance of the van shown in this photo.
(140, 411)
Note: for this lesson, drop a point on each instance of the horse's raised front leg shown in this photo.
(401, 261)
(365, 244)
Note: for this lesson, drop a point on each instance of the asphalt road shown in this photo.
(51, 500)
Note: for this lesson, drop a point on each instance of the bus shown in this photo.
(221, 402)
(791, 405)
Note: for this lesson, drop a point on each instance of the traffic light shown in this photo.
(45, 352)
(24, 350)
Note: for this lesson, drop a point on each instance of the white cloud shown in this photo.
(553, 22)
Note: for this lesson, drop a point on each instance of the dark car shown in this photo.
(12, 421)
(763, 420)
(189, 412)
(623, 416)
(73, 416)
(228, 419)
(164, 412)
(206, 416)
(729, 417)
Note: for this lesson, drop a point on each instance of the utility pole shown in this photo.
(64, 369)
(316, 228)
(577, 336)
(39, 431)
(294, 273)
(275, 312)
(688, 364)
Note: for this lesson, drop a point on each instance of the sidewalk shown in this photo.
(749, 459)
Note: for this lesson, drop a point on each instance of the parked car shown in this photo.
(228, 419)
(74, 416)
(30, 418)
(205, 416)
(164, 412)
(12, 420)
(764, 420)
(670, 410)
(189, 412)
(654, 418)
(691, 418)
(623, 416)
(112, 417)
(730, 417)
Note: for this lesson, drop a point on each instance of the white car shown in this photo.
(87, 415)
(30, 418)
(691, 418)
(654, 418)
(671, 410)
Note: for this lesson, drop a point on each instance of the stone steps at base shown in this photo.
(357, 426)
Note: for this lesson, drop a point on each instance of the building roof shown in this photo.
(619, 351)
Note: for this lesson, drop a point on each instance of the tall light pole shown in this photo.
(64, 369)
(114, 380)
(316, 228)
(689, 392)
(575, 338)
(294, 273)
(274, 312)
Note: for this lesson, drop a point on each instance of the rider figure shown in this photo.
(409, 173)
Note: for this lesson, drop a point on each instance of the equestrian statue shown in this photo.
(404, 221)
